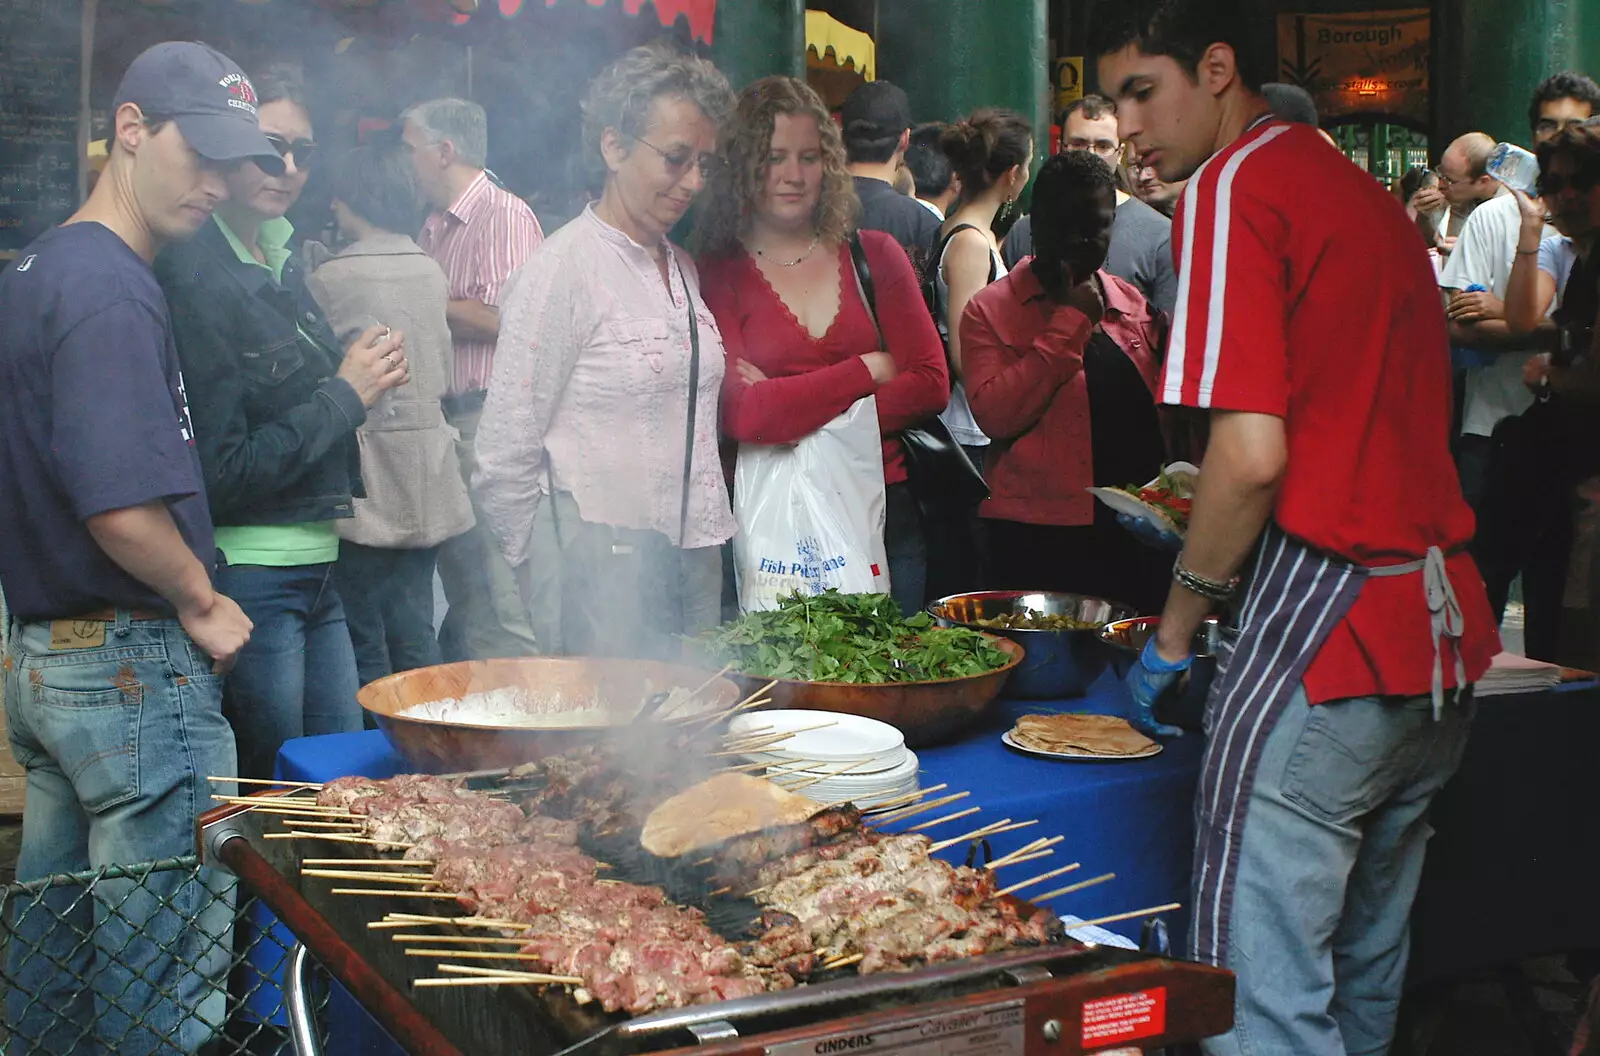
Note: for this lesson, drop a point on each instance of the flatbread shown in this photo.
(719, 809)
(1080, 735)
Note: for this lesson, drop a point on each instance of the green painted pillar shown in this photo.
(759, 38)
(953, 56)
(1489, 55)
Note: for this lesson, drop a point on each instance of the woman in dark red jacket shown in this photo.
(777, 274)
(1061, 360)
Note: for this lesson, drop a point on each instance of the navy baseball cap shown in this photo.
(209, 97)
(876, 110)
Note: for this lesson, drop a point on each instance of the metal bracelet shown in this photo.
(1206, 588)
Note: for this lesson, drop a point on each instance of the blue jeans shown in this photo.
(117, 741)
(388, 603)
(297, 675)
(1328, 868)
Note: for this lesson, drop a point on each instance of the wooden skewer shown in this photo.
(902, 813)
(1070, 888)
(720, 891)
(702, 687)
(898, 803)
(752, 735)
(1038, 879)
(948, 817)
(1027, 851)
(1096, 922)
(487, 940)
(364, 874)
(462, 922)
(286, 809)
(395, 893)
(476, 955)
(1028, 848)
(350, 826)
(823, 777)
(282, 803)
(334, 837)
(992, 829)
(467, 775)
(268, 781)
(363, 861)
(748, 702)
(471, 969)
(472, 980)
(844, 962)
(1034, 857)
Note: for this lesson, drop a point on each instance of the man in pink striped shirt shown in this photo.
(479, 234)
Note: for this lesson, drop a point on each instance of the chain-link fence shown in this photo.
(158, 958)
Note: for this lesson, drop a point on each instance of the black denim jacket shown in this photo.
(274, 427)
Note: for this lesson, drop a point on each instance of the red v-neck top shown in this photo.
(811, 380)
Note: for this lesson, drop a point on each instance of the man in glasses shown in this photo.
(1141, 237)
(118, 637)
(1523, 528)
(479, 234)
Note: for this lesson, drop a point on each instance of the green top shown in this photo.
(277, 545)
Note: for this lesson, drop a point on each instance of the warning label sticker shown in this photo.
(1125, 1017)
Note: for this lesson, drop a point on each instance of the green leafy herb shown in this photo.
(834, 637)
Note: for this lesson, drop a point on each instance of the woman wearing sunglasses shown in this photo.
(597, 454)
(275, 403)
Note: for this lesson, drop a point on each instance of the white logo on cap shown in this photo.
(241, 93)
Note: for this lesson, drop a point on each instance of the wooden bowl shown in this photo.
(926, 712)
(434, 746)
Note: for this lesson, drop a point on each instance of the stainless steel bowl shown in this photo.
(1185, 707)
(1057, 663)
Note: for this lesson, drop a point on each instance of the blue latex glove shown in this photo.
(1148, 534)
(1147, 680)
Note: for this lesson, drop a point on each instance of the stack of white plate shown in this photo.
(857, 759)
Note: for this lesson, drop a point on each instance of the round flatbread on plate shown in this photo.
(1079, 736)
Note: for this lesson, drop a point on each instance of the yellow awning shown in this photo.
(823, 32)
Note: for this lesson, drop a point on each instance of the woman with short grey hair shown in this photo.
(598, 468)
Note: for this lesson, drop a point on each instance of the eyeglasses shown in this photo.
(303, 150)
(1447, 181)
(679, 161)
(1553, 183)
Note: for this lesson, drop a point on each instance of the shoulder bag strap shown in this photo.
(869, 296)
(694, 398)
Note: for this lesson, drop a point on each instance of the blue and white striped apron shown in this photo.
(1295, 596)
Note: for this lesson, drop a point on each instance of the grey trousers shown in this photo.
(595, 590)
(486, 617)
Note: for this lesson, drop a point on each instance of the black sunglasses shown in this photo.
(303, 149)
(1553, 183)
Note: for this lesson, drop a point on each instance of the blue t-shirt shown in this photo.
(92, 418)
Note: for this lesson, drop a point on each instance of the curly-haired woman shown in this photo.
(597, 454)
(802, 346)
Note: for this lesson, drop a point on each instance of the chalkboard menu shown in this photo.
(40, 65)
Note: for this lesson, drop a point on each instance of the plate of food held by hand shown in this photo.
(1163, 503)
(1079, 737)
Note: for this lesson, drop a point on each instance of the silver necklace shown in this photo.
(816, 239)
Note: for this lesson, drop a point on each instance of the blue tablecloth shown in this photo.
(1133, 818)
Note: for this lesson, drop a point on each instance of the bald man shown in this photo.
(1464, 184)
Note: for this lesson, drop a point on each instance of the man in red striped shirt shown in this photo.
(479, 234)
(1328, 504)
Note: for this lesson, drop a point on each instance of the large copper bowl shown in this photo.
(926, 712)
(435, 746)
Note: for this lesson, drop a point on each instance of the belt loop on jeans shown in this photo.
(123, 624)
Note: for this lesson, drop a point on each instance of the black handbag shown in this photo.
(941, 475)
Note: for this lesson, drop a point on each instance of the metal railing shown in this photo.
(156, 958)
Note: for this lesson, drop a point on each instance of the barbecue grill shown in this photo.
(1062, 999)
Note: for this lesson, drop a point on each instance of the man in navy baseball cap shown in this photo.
(205, 92)
(105, 532)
